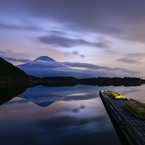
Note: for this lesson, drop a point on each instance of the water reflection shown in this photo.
(7, 94)
(44, 96)
(59, 115)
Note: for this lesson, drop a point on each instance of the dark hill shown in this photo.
(7, 69)
(12, 76)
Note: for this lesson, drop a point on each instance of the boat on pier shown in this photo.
(125, 116)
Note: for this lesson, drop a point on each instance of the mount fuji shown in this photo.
(45, 66)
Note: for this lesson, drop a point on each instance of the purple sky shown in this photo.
(108, 33)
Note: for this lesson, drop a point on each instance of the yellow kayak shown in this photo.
(113, 94)
(117, 95)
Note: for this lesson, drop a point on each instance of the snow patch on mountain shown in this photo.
(44, 58)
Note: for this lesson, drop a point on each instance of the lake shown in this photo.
(59, 115)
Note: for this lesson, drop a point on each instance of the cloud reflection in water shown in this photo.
(71, 119)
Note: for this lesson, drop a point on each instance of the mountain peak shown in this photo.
(45, 58)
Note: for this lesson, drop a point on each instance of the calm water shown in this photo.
(59, 115)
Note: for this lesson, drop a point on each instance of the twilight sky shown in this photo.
(107, 33)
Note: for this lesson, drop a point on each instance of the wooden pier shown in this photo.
(130, 129)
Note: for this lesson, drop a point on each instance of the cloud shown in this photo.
(16, 59)
(57, 32)
(136, 55)
(61, 41)
(97, 68)
(132, 58)
(130, 61)
(121, 19)
(66, 121)
(13, 55)
(3, 52)
(76, 53)
(86, 65)
(62, 130)
(20, 27)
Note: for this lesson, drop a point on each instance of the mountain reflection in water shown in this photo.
(7, 94)
(58, 115)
